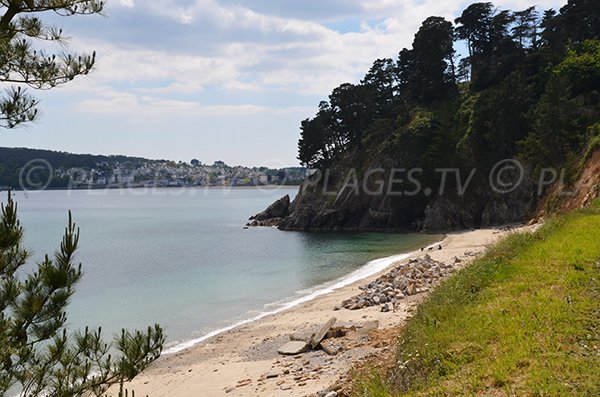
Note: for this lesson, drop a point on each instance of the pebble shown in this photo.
(414, 277)
(244, 382)
(327, 393)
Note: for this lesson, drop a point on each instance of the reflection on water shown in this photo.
(328, 256)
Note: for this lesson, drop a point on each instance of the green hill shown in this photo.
(13, 160)
(522, 320)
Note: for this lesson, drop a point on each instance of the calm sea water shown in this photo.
(181, 257)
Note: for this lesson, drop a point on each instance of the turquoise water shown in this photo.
(181, 257)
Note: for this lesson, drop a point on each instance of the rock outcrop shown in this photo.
(273, 215)
(335, 205)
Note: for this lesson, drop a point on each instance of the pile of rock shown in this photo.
(416, 276)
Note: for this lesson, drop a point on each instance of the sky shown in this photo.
(215, 80)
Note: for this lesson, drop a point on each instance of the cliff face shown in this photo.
(537, 103)
(335, 203)
(351, 200)
(582, 192)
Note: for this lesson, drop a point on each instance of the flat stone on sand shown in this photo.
(322, 332)
(293, 348)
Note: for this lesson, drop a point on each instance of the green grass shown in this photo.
(522, 320)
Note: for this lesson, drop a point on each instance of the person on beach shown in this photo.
(393, 304)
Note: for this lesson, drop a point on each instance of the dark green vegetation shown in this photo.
(32, 168)
(24, 62)
(522, 320)
(529, 87)
(12, 161)
(39, 356)
(37, 353)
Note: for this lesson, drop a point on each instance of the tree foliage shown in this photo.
(567, 108)
(38, 356)
(422, 74)
(494, 39)
(13, 160)
(433, 75)
(25, 60)
(529, 86)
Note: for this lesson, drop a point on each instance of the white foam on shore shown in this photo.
(371, 268)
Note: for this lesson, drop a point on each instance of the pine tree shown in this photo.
(433, 75)
(22, 63)
(38, 355)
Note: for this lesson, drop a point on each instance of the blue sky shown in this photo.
(218, 79)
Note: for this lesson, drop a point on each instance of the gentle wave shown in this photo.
(371, 268)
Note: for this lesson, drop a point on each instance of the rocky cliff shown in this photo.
(273, 215)
(581, 192)
(339, 202)
(461, 136)
(350, 199)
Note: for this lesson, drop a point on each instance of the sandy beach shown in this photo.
(244, 361)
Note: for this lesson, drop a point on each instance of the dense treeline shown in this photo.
(529, 87)
(12, 161)
(34, 168)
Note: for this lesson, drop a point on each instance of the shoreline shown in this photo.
(366, 271)
(242, 360)
(138, 187)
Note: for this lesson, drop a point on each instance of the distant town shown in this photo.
(34, 169)
(180, 174)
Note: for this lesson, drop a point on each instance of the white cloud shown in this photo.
(307, 58)
(296, 50)
(226, 78)
(254, 52)
(126, 3)
(109, 101)
(174, 71)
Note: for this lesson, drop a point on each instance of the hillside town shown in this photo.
(34, 169)
(171, 174)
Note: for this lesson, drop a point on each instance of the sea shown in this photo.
(182, 257)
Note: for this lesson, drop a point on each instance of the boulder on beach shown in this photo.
(293, 348)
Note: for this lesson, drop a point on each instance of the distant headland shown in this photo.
(33, 169)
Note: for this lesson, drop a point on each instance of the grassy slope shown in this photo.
(523, 320)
